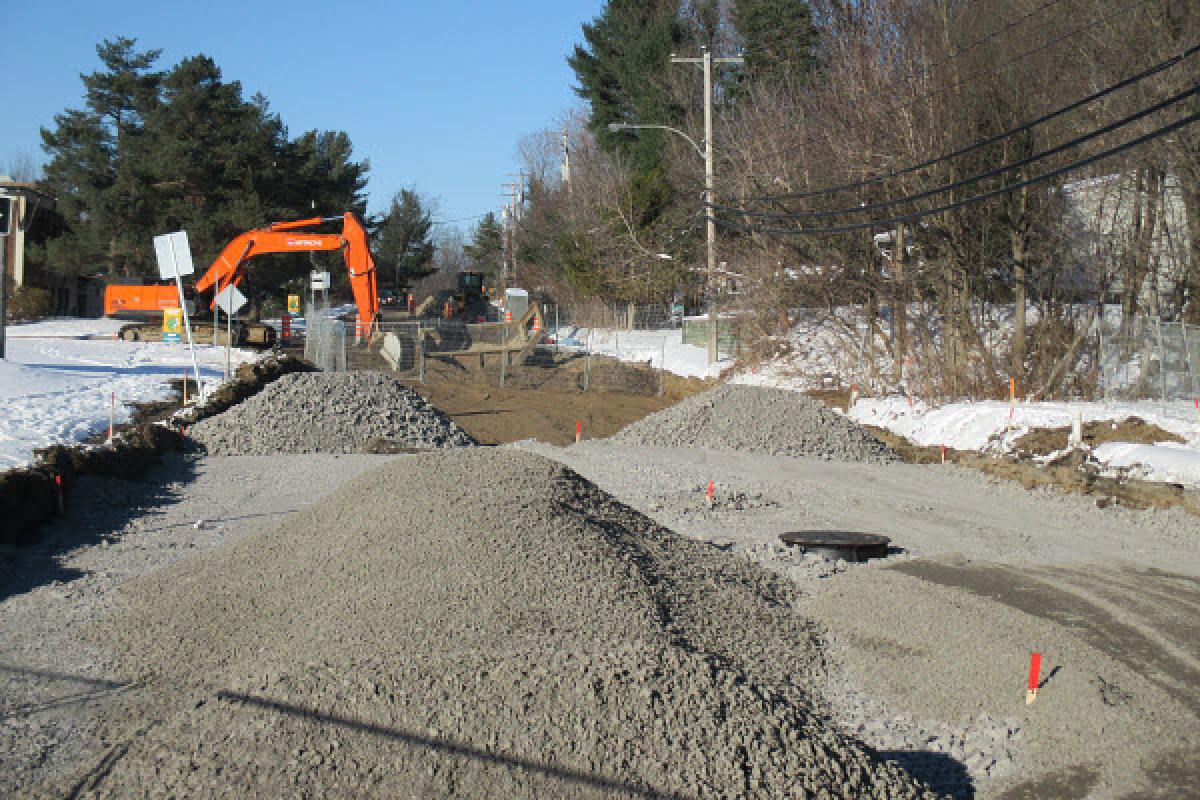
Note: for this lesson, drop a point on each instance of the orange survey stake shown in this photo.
(1035, 677)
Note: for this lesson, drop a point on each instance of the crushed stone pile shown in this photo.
(328, 412)
(758, 420)
(472, 623)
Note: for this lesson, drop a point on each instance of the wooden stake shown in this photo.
(709, 495)
(578, 431)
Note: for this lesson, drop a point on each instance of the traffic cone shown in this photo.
(358, 329)
(508, 316)
(537, 323)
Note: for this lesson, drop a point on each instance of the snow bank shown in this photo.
(55, 387)
(1154, 462)
(986, 424)
(658, 347)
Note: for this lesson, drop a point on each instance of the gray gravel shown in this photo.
(757, 420)
(931, 675)
(328, 412)
(473, 623)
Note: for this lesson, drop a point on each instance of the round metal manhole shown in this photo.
(846, 545)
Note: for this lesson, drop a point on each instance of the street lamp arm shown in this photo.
(623, 126)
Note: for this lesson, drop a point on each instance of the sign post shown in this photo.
(229, 300)
(174, 257)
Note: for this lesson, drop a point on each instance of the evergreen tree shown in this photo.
(94, 166)
(779, 37)
(157, 151)
(620, 71)
(487, 248)
(403, 249)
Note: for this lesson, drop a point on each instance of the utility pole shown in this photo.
(8, 209)
(510, 225)
(710, 213)
(899, 302)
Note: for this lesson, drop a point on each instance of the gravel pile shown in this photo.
(474, 623)
(328, 412)
(758, 420)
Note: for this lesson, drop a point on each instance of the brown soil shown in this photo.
(1068, 474)
(543, 399)
(1043, 441)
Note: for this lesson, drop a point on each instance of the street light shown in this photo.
(709, 213)
(705, 63)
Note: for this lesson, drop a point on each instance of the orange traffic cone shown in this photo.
(537, 323)
(508, 316)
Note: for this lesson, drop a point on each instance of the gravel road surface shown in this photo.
(474, 623)
(931, 646)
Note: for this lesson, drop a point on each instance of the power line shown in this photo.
(990, 71)
(1091, 98)
(1045, 176)
(1128, 120)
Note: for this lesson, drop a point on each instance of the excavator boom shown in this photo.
(294, 237)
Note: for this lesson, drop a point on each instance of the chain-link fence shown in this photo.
(1144, 357)
(324, 340)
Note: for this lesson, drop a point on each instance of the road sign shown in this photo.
(320, 280)
(173, 325)
(230, 300)
(174, 255)
(293, 304)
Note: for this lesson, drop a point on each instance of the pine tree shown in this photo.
(620, 69)
(403, 247)
(487, 247)
(779, 37)
(154, 152)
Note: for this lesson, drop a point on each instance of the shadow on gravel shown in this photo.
(452, 747)
(945, 775)
(96, 510)
(97, 688)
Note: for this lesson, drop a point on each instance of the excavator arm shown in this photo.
(229, 268)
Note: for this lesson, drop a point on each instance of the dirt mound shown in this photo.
(1043, 441)
(328, 412)
(474, 623)
(758, 420)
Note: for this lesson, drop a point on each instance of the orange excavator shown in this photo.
(291, 237)
(229, 268)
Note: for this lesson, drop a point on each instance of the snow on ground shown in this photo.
(57, 383)
(986, 425)
(661, 348)
(65, 327)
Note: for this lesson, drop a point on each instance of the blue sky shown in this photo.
(435, 94)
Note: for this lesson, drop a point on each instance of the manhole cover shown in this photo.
(846, 545)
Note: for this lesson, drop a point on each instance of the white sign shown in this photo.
(174, 255)
(320, 280)
(230, 300)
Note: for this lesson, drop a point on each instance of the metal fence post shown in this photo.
(662, 367)
(587, 364)
(421, 353)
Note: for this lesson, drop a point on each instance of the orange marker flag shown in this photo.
(1035, 677)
